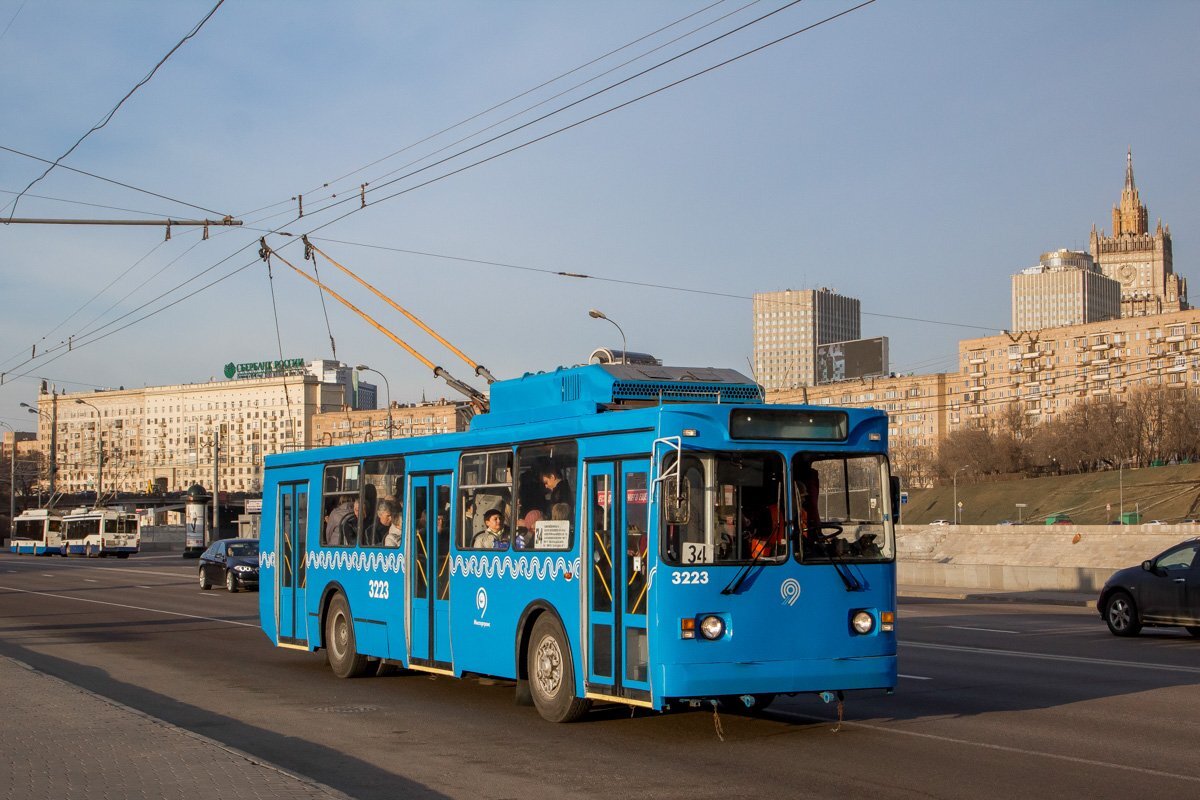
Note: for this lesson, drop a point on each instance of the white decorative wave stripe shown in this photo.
(266, 561)
(523, 567)
(357, 560)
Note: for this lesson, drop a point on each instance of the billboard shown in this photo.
(857, 358)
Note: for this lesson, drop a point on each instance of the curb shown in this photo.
(1034, 598)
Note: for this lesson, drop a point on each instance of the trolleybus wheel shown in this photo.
(204, 584)
(552, 674)
(344, 660)
(1194, 630)
(230, 582)
(122, 555)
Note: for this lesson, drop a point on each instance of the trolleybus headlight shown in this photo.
(712, 627)
(863, 622)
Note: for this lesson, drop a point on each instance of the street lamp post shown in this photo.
(53, 438)
(597, 314)
(960, 469)
(1121, 479)
(388, 387)
(99, 449)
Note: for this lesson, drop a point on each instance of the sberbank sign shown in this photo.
(264, 369)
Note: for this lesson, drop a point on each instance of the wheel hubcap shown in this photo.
(549, 668)
(1119, 614)
(341, 634)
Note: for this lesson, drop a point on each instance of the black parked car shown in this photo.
(1163, 591)
(233, 562)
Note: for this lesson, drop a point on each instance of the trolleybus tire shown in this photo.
(122, 555)
(1121, 614)
(1194, 630)
(204, 582)
(552, 673)
(230, 582)
(344, 660)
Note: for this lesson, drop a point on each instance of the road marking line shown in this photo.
(1050, 657)
(914, 677)
(90, 580)
(1000, 747)
(180, 574)
(135, 608)
(985, 630)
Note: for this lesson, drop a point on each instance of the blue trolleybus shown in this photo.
(37, 531)
(639, 534)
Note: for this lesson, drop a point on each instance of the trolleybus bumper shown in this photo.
(691, 681)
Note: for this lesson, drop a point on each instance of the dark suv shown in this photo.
(1163, 591)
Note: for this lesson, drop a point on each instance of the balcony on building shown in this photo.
(1100, 376)
(979, 373)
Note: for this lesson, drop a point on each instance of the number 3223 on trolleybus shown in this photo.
(646, 535)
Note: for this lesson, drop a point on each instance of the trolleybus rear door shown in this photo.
(617, 653)
(291, 547)
(429, 522)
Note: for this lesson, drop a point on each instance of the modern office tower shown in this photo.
(1140, 260)
(1065, 288)
(788, 327)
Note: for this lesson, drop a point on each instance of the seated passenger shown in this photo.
(381, 528)
(526, 530)
(333, 523)
(493, 536)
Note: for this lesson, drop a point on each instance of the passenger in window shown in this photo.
(560, 511)
(526, 530)
(557, 489)
(493, 536)
(333, 523)
(382, 527)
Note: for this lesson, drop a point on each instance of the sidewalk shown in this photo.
(62, 741)
(1077, 599)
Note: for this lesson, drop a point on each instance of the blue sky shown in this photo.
(911, 154)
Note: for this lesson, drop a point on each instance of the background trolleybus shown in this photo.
(100, 532)
(37, 531)
(636, 534)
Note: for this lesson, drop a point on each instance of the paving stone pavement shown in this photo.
(63, 742)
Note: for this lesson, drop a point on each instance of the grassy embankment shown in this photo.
(1168, 493)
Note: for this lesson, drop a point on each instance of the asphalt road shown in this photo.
(994, 701)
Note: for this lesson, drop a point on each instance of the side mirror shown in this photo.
(678, 505)
(894, 484)
(1148, 566)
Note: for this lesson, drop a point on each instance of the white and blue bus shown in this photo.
(100, 532)
(638, 534)
(37, 531)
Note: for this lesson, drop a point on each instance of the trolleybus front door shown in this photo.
(291, 546)
(429, 567)
(617, 654)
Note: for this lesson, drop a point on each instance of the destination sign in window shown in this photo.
(773, 423)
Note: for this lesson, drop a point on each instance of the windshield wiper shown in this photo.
(735, 584)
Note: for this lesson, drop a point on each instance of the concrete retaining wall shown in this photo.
(157, 538)
(1029, 557)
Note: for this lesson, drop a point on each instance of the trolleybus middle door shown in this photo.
(618, 551)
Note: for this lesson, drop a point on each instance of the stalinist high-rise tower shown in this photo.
(1141, 261)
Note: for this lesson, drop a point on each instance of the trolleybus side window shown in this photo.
(485, 500)
(340, 518)
(546, 496)
(842, 508)
(730, 509)
(382, 502)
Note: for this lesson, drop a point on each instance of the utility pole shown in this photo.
(216, 505)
